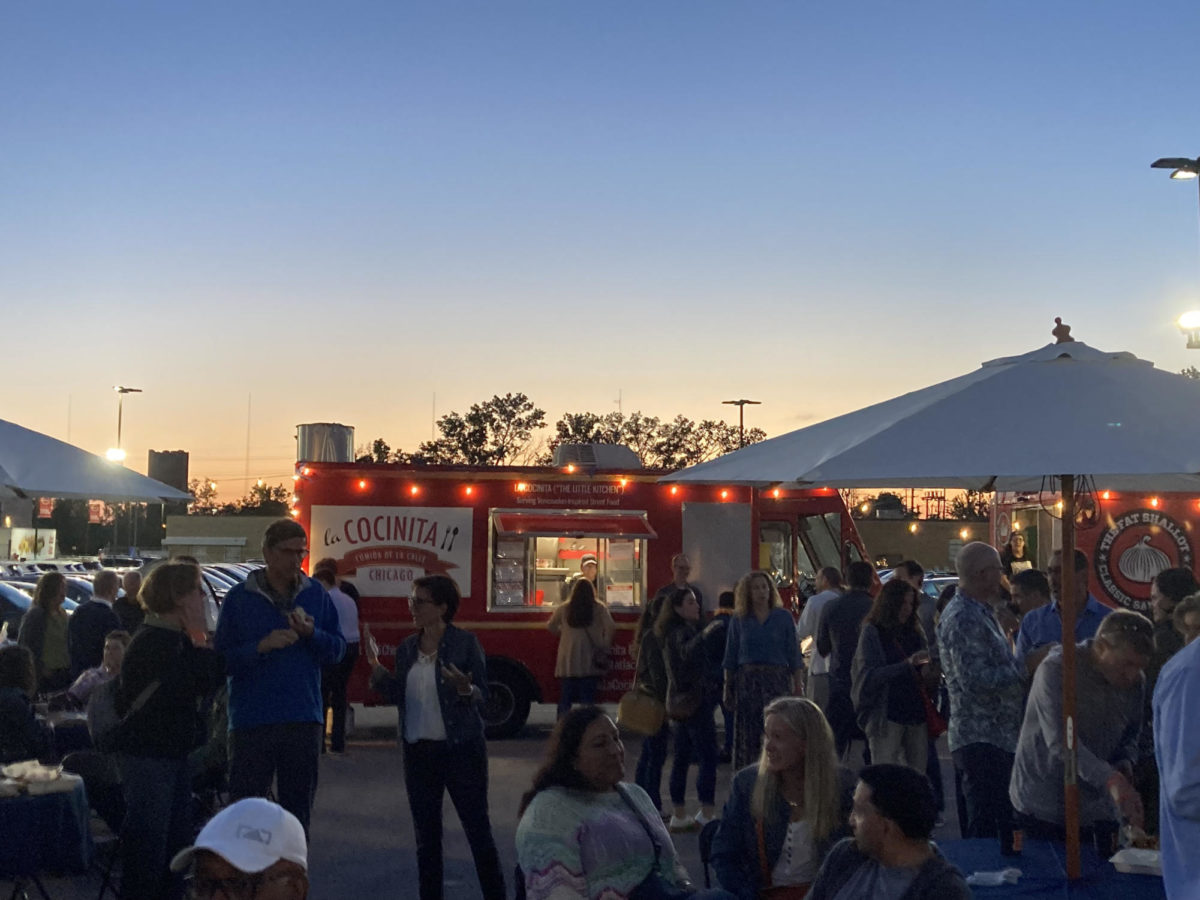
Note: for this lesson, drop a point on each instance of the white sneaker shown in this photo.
(701, 819)
(678, 825)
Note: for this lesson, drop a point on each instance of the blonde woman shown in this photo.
(784, 813)
(762, 660)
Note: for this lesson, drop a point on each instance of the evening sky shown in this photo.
(342, 210)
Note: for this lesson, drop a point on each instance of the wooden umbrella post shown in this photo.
(1066, 607)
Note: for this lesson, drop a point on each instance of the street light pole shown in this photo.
(1183, 169)
(117, 454)
(741, 405)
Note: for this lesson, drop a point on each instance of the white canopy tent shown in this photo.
(1019, 423)
(36, 465)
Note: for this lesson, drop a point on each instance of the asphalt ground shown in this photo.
(362, 844)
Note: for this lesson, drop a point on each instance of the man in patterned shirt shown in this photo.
(986, 692)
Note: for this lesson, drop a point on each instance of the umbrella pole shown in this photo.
(1066, 606)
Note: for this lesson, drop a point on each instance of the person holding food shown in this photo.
(277, 630)
(439, 686)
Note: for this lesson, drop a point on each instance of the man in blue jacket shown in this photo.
(277, 630)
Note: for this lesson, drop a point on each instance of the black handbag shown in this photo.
(682, 705)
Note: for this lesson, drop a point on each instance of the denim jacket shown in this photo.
(460, 714)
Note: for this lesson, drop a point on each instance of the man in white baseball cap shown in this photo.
(251, 850)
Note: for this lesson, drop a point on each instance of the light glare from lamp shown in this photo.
(114, 454)
(1184, 174)
(1189, 321)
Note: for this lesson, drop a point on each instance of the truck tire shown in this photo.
(510, 692)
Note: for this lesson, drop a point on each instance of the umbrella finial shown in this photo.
(1061, 332)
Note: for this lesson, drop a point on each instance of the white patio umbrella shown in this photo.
(1064, 408)
(36, 465)
(1059, 412)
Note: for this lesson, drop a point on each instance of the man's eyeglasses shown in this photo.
(242, 887)
(301, 552)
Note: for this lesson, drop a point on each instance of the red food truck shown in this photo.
(1128, 537)
(512, 538)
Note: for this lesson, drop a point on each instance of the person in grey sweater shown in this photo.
(1108, 719)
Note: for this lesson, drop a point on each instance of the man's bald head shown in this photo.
(979, 570)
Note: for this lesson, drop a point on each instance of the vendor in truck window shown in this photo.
(589, 570)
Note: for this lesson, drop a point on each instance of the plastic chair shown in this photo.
(707, 833)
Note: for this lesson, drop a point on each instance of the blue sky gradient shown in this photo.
(343, 209)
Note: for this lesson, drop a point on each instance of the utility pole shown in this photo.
(741, 405)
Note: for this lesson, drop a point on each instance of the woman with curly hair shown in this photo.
(762, 660)
(887, 679)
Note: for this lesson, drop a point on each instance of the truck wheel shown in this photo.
(507, 706)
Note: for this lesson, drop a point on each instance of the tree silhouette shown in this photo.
(491, 433)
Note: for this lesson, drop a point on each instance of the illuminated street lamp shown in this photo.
(116, 454)
(1189, 324)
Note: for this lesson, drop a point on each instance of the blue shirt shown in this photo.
(1044, 626)
(1177, 747)
(984, 680)
(769, 643)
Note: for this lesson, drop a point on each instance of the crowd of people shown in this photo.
(836, 789)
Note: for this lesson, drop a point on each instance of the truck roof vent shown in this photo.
(596, 456)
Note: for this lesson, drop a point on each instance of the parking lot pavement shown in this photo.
(362, 836)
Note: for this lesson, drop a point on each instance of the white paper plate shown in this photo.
(1136, 861)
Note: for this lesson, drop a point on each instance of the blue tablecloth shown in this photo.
(49, 833)
(1044, 872)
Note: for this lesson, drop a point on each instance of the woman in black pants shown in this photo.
(166, 671)
(439, 686)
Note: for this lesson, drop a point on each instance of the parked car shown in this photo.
(14, 603)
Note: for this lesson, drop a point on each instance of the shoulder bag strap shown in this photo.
(637, 814)
(760, 831)
(149, 690)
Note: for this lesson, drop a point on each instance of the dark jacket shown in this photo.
(168, 726)
(89, 626)
(735, 847)
(651, 675)
(876, 674)
(688, 663)
(460, 714)
(22, 736)
(937, 879)
(129, 613)
(837, 634)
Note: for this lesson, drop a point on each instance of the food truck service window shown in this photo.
(536, 556)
